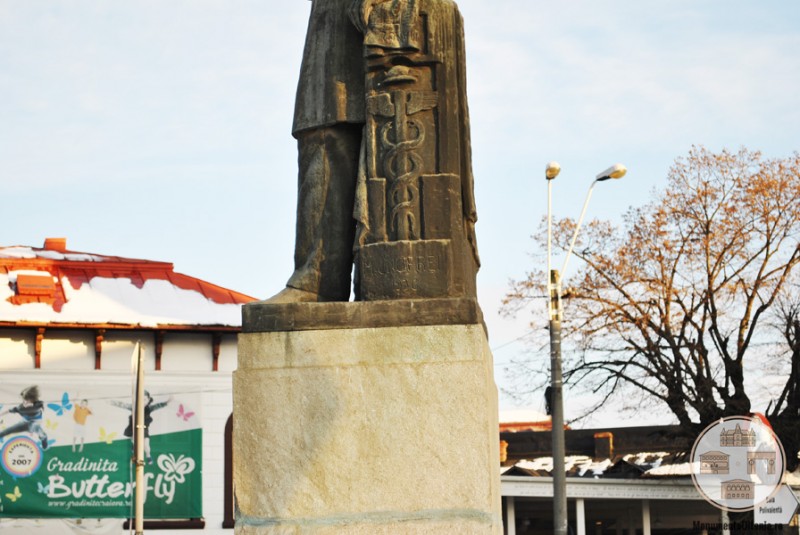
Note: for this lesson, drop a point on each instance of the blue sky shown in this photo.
(161, 130)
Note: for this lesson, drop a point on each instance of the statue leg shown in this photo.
(327, 165)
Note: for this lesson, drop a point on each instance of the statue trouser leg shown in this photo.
(327, 170)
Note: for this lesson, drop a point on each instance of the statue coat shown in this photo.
(331, 85)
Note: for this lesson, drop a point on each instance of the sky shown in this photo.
(161, 130)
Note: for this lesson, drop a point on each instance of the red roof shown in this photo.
(63, 270)
(544, 425)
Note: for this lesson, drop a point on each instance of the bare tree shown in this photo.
(677, 303)
(784, 411)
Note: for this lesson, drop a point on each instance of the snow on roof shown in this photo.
(653, 459)
(26, 252)
(95, 289)
(515, 416)
(17, 252)
(677, 469)
(651, 464)
(581, 463)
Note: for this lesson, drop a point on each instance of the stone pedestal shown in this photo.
(365, 430)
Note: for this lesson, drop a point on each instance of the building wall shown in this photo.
(68, 356)
(227, 354)
(16, 349)
(187, 352)
(118, 348)
(68, 350)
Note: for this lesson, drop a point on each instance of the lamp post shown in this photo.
(555, 316)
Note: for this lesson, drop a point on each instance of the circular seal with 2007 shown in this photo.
(737, 463)
(21, 457)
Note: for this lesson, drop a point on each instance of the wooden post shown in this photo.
(37, 348)
(139, 423)
(98, 348)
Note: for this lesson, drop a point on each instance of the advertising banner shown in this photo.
(66, 452)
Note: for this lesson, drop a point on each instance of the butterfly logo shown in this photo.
(50, 424)
(184, 413)
(43, 489)
(59, 408)
(175, 469)
(106, 437)
(14, 496)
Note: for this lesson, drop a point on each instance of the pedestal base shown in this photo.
(375, 430)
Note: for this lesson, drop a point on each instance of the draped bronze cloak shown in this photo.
(415, 202)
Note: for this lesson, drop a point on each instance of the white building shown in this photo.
(69, 323)
(620, 481)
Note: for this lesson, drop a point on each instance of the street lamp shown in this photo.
(555, 315)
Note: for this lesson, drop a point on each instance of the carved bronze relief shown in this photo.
(416, 244)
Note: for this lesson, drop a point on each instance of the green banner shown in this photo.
(72, 458)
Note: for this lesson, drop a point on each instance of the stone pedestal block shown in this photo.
(389, 430)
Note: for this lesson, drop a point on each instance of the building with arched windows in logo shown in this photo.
(714, 462)
(737, 438)
(738, 489)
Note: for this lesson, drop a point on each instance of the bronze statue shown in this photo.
(385, 177)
